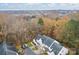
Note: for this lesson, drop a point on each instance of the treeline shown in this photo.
(18, 31)
(66, 31)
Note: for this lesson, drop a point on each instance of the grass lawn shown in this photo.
(32, 46)
(29, 44)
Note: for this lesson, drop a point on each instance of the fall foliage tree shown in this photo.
(69, 34)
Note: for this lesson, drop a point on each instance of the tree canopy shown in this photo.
(40, 21)
(70, 34)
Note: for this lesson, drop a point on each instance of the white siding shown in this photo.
(56, 42)
(35, 41)
(63, 51)
(52, 53)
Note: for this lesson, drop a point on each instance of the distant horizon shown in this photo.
(38, 6)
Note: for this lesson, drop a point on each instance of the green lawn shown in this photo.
(29, 44)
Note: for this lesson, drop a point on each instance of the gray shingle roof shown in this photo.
(2, 51)
(46, 40)
(6, 50)
(55, 47)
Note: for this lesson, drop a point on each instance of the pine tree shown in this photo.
(40, 21)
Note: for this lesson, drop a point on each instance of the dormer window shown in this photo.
(39, 41)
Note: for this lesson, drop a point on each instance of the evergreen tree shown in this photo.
(40, 21)
(70, 34)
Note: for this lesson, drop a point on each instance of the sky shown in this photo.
(38, 6)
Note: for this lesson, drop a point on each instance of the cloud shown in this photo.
(38, 6)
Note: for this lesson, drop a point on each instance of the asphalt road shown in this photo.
(28, 51)
(8, 50)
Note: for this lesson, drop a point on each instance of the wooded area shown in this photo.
(17, 30)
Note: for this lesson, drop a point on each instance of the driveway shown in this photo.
(28, 51)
